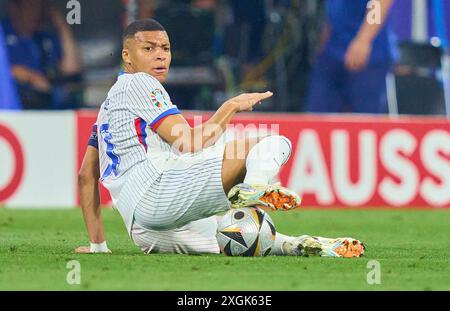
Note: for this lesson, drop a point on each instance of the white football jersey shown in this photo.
(126, 125)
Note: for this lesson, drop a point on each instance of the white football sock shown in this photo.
(279, 240)
(265, 159)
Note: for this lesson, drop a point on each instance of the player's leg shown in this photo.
(283, 246)
(234, 167)
(192, 187)
(256, 167)
(197, 237)
(306, 245)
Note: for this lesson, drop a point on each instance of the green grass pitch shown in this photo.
(412, 247)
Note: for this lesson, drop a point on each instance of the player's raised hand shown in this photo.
(246, 101)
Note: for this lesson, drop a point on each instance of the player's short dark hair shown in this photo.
(148, 24)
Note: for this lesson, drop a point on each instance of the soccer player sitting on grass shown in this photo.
(169, 180)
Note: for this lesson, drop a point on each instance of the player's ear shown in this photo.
(126, 56)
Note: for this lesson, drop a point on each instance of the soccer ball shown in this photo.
(246, 232)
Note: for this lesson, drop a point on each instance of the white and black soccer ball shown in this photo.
(246, 232)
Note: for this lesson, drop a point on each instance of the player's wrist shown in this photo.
(364, 38)
(234, 106)
(99, 247)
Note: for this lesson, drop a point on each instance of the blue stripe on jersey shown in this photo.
(112, 167)
(165, 114)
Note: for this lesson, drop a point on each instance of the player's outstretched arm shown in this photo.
(90, 202)
(177, 132)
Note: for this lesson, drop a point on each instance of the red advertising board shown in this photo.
(13, 184)
(350, 161)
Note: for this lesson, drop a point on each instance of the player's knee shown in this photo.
(287, 144)
(282, 139)
(277, 144)
(284, 147)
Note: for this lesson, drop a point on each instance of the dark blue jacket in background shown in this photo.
(345, 18)
(41, 52)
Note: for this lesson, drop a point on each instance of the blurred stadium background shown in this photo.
(398, 157)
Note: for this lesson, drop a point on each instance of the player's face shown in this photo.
(149, 52)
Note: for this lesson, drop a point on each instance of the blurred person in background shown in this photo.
(8, 93)
(193, 51)
(354, 58)
(43, 54)
(250, 20)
